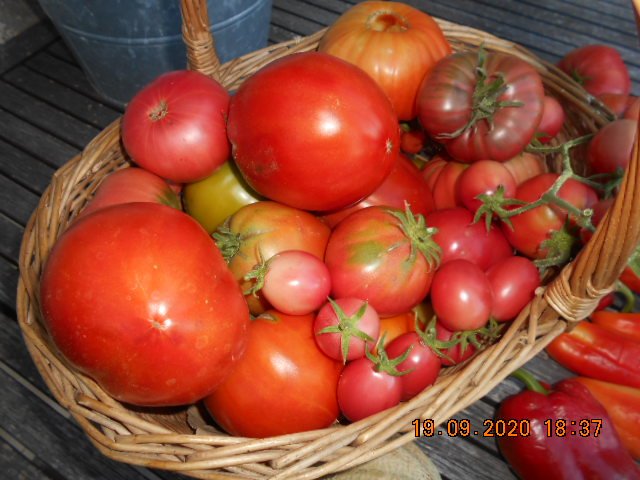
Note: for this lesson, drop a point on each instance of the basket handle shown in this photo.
(201, 50)
(575, 293)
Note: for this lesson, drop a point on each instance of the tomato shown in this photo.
(611, 147)
(513, 282)
(305, 126)
(453, 355)
(175, 127)
(433, 168)
(459, 237)
(598, 68)
(552, 119)
(454, 93)
(484, 178)
(404, 184)
(461, 295)
(131, 185)
(294, 282)
(393, 327)
(384, 256)
(422, 363)
(444, 188)
(633, 110)
(258, 231)
(364, 390)
(393, 42)
(618, 103)
(412, 141)
(346, 328)
(530, 229)
(525, 166)
(215, 198)
(282, 384)
(138, 297)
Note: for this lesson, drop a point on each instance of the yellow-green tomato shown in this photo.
(211, 200)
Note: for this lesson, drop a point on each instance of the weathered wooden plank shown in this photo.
(10, 237)
(48, 118)
(307, 11)
(8, 283)
(300, 26)
(61, 97)
(16, 202)
(60, 50)
(26, 44)
(23, 168)
(17, 461)
(45, 147)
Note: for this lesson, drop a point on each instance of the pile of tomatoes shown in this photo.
(319, 245)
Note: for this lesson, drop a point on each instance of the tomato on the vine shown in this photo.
(484, 177)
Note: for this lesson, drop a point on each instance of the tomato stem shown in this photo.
(227, 241)
(347, 327)
(629, 297)
(159, 112)
(420, 236)
(382, 362)
(530, 381)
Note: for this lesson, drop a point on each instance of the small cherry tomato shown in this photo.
(513, 282)
(552, 119)
(484, 177)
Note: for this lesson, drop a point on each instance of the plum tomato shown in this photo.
(484, 177)
(176, 127)
(346, 328)
(461, 295)
(138, 297)
(294, 282)
(282, 384)
(303, 127)
(513, 282)
(384, 256)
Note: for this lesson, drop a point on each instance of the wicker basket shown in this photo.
(178, 440)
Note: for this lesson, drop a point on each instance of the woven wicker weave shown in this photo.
(177, 440)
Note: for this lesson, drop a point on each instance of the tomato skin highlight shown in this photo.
(138, 297)
(295, 389)
(303, 127)
(513, 282)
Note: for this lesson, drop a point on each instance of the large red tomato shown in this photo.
(610, 149)
(258, 231)
(138, 297)
(598, 68)
(394, 43)
(314, 132)
(475, 122)
(176, 128)
(283, 383)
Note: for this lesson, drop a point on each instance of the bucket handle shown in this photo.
(201, 50)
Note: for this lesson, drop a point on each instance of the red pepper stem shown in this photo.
(629, 297)
(529, 381)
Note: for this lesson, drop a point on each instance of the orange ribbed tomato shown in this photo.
(394, 43)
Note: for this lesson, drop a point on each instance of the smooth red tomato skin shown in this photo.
(189, 141)
(461, 296)
(304, 127)
(422, 361)
(446, 97)
(138, 297)
(364, 265)
(599, 68)
(633, 109)
(394, 43)
(283, 383)
(525, 166)
(552, 119)
(513, 282)
(611, 147)
(331, 343)
(445, 193)
(393, 327)
(460, 238)
(297, 282)
(483, 177)
(363, 391)
(131, 185)
(403, 184)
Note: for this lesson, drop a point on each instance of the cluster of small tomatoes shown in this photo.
(318, 270)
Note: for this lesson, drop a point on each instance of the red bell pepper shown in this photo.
(593, 351)
(627, 324)
(623, 406)
(570, 435)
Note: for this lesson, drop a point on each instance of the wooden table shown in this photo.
(49, 111)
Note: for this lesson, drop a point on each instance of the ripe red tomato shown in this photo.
(611, 147)
(304, 127)
(393, 327)
(633, 110)
(513, 282)
(394, 43)
(375, 256)
(447, 101)
(404, 184)
(258, 231)
(364, 390)
(459, 237)
(138, 297)
(282, 384)
(422, 363)
(432, 169)
(461, 296)
(353, 328)
(444, 186)
(296, 282)
(552, 119)
(598, 68)
(176, 128)
(131, 185)
(525, 166)
(453, 355)
(484, 178)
